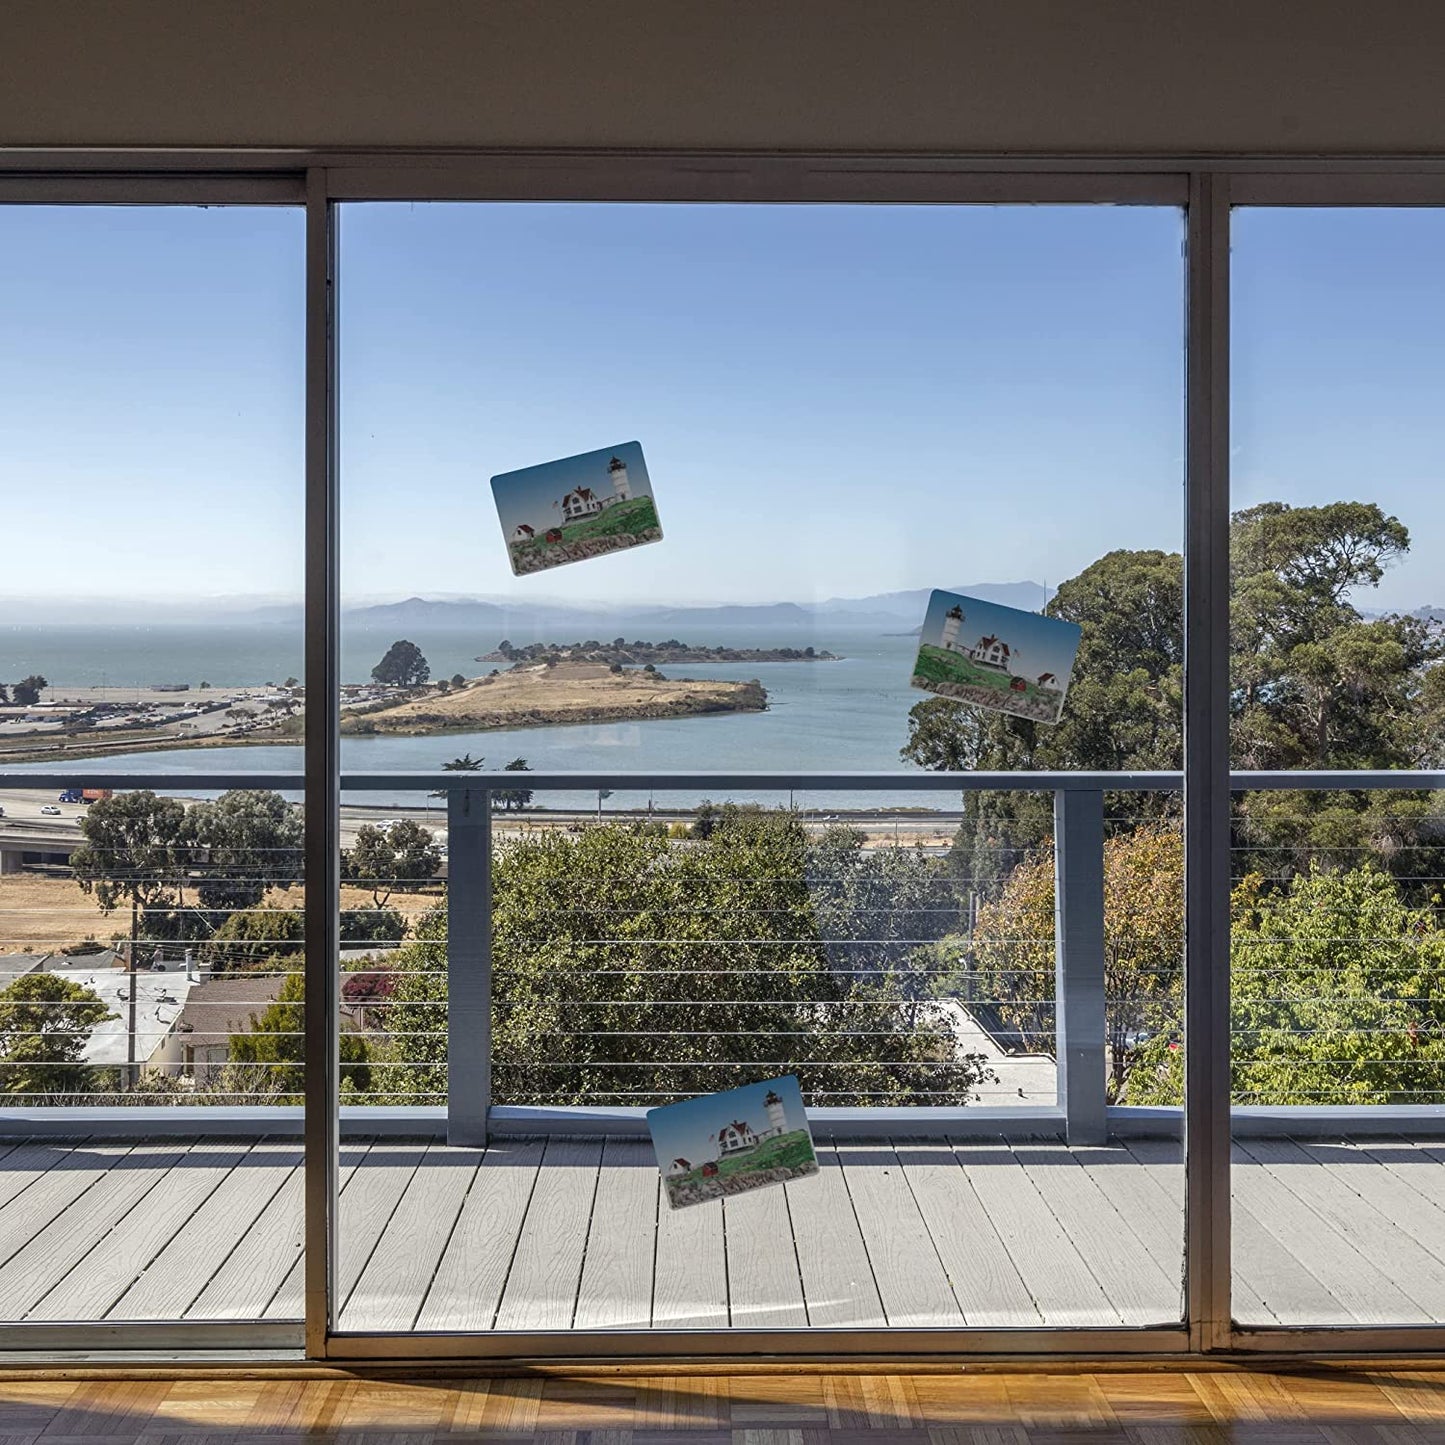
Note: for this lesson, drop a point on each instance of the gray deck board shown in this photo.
(1386, 1235)
(616, 1288)
(1134, 1284)
(1362, 1292)
(838, 1284)
(985, 1281)
(576, 1234)
(1060, 1282)
(912, 1281)
(27, 1276)
(541, 1290)
(389, 1292)
(179, 1272)
(764, 1288)
(1277, 1287)
(467, 1288)
(120, 1255)
(289, 1302)
(690, 1281)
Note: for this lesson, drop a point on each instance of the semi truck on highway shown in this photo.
(86, 795)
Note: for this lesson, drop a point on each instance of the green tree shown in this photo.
(1007, 977)
(44, 1023)
(510, 798)
(879, 910)
(270, 1058)
(1337, 997)
(1316, 684)
(384, 860)
(253, 937)
(464, 764)
(134, 852)
(458, 679)
(403, 666)
(27, 691)
(244, 844)
(629, 970)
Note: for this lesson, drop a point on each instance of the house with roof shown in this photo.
(198, 1043)
(584, 502)
(581, 502)
(739, 1135)
(522, 533)
(990, 652)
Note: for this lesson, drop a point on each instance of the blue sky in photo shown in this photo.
(689, 1130)
(528, 495)
(1038, 644)
(834, 400)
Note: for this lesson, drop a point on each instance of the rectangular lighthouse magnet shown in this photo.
(732, 1142)
(576, 508)
(994, 656)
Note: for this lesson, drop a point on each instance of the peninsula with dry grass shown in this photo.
(550, 694)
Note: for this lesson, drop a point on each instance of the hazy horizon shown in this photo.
(834, 401)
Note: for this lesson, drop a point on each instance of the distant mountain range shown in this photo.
(883, 610)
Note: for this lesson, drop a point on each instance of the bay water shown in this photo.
(844, 716)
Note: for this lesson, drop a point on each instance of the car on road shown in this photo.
(50, 811)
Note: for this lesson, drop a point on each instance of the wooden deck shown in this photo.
(572, 1234)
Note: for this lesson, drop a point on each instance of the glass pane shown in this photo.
(150, 406)
(1338, 951)
(838, 409)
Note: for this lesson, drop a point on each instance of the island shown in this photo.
(551, 693)
(638, 654)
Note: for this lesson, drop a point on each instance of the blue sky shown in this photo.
(529, 495)
(832, 400)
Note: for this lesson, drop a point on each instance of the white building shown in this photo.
(735, 1137)
(952, 621)
(617, 474)
(990, 652)
(584, 502)
(740, 1135)
(160, 995)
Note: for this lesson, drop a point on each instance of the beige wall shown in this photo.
(986, 75)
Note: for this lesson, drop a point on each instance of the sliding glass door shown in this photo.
(787, 426)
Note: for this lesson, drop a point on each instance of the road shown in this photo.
(22, 813)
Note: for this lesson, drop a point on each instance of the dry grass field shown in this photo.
(41, 914)
(570, 692)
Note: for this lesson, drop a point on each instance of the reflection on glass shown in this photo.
(1338, 950)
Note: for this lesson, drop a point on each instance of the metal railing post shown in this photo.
(1079, 963)
(469, 964)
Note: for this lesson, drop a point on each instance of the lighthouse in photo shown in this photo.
(617, 471)
(952, 621)
(777, 1113)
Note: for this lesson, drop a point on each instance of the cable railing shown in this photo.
(550, 977)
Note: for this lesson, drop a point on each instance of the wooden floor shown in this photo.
(572, 1234)
(797, 1407)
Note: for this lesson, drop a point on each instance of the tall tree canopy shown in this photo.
(403, 666)
(244, 844)
(133, 853)
(44, 1023)
(1316, 684)
(628, 969)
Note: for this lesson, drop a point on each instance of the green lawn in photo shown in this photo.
(787, 1151)
(637, 516)
(936, 665)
